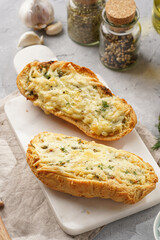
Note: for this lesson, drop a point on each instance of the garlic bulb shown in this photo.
(36, 14)
(29, 38)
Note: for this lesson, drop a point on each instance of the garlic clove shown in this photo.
(54, 29)
(36, 14)
(29, 38)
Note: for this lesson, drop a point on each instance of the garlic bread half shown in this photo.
(76, 95)
(81, 168)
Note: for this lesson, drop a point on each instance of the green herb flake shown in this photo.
(126, 172)
(110, 167)
(46, 75)
(79, 141)
(104, 106)
(100, 166)
(63, 150)
(134, 173)
(87, 168)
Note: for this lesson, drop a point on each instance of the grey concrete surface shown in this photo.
(140, 86)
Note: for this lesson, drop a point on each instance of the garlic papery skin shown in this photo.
(29, 38)
(36, 14)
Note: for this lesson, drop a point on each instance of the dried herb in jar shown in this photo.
(119, 51)
(84, 18)
(119, 34)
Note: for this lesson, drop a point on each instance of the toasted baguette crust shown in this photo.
(130, 116)
(56, 176)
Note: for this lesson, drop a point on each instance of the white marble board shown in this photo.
(77, 215)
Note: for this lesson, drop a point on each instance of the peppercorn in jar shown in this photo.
(84, 19)
(119, 34)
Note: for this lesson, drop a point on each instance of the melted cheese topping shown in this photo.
(76, 96)
(72, 157)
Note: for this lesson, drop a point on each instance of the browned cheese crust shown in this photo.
(79, 168)
(127, 123)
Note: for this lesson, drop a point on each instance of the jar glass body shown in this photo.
(156, 15)
(84, 18)
(119, 44)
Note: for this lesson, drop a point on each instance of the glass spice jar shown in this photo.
(119, 39)
(156, 15)
(84, 19)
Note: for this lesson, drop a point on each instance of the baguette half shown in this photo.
(76, 95)
(88, 169)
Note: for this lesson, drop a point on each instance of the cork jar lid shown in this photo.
(120, 11)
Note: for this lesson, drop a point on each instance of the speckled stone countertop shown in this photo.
(140, 86)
